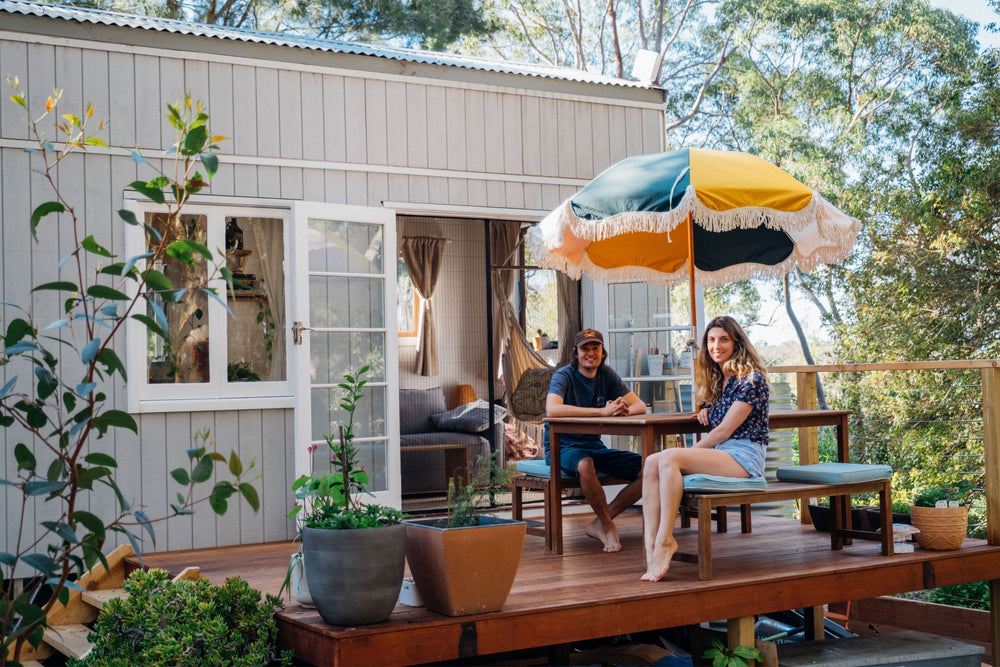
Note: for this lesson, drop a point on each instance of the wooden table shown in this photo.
(647, 427)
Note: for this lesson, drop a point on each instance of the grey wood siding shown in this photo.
(294, 131)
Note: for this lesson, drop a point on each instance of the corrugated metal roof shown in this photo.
(86, 15)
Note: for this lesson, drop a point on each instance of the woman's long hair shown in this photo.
(708, 375)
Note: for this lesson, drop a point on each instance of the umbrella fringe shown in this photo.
(664, 222)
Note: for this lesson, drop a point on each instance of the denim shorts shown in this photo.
(750, 455)
(612, 462)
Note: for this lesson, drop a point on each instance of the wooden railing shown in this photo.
(805, 382)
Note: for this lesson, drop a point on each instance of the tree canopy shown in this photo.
(433, 24)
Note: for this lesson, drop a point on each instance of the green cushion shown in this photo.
(834, 473)
(719, 484)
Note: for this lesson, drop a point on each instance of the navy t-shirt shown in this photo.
(577, 389)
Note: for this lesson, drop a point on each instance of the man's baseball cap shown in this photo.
(589, 336)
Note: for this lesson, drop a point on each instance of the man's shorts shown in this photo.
(613, 462)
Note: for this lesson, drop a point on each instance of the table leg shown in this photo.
(555, 492)
(704, 539)
(885, 507)
(456, 462)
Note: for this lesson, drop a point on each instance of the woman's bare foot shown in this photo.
(607, 535)
(659, 563)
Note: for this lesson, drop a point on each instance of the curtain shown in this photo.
(423, 256)
(268, 239)
(505, 238)
(568, 297)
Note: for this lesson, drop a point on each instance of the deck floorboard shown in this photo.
(588, 594)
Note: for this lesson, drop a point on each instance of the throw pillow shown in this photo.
(472, 417)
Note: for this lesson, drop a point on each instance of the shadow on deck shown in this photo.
(588, 594)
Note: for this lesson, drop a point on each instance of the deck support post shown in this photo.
(807, 399)
(991, 468)
(814, 622)
(740, 633)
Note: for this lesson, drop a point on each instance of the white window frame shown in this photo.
(218, 393)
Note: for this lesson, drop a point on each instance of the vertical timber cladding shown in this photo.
(301, 124)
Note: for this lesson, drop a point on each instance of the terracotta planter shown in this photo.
(468, 570)
(941, 528)
(354, 575)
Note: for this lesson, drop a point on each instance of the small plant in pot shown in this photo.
(354, 553)
(938, 512)
(465, 563)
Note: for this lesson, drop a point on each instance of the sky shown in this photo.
(976, 10)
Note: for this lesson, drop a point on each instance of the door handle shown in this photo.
(297, 329)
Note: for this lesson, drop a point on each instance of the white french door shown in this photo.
(344, 304)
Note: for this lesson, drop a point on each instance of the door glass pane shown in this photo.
(341, 302)
(345, 247)
(347, 293)
(352, 350)
(256, 334)
(183, 356)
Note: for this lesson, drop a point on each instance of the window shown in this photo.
(222, 350)
(541, 303)
(408, 304)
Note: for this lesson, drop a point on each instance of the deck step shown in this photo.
(69, 640)
(30, 663)
(99, 597)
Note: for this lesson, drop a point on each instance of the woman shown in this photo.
(732, 390)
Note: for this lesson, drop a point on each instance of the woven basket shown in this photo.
(464, 393)
(941, 528)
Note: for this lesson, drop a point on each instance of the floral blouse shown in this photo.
(753, 390)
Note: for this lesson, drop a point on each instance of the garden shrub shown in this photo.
(184, 623)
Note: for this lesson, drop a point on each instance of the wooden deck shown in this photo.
(587, 594)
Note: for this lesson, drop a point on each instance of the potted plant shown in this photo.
(940, 515)
(819, 514)
(465, 563)
(354, 553)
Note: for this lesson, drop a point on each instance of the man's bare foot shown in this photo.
(608, 536)
(659, 563)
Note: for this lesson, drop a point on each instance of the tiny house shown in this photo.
(336, 155)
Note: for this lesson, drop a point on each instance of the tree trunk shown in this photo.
(820, 397)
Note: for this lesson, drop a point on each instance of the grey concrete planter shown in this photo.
(354, 575)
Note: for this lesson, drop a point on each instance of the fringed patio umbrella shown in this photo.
(737, 215)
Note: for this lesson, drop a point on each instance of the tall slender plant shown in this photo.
(55, 372)
(333, 500)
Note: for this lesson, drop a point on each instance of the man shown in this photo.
(587, 387)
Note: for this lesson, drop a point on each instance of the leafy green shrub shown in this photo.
(164, 622)
(723, 656)
(928, 496)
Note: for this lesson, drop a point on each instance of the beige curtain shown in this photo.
(505, 237)
(268, 238)
(423, 256)
(568, 296)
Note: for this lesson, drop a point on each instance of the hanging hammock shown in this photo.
(526, 376)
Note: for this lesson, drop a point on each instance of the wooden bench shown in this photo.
(541, 481)
(841, 533)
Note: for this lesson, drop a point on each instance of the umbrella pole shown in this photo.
(694, 307)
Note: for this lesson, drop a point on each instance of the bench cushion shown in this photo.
(717, 483)
(539, 468)
(834, 473)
